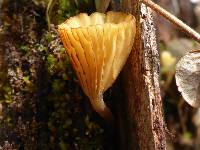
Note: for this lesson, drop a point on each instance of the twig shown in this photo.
(50, 5)
(192, 33)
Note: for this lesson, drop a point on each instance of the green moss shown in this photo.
(51, 60)
(63, 145)
(6, 94)
(70, 122)
(24, 48)
(48, 37)
(66, 9)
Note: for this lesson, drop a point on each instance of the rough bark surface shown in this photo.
(140, 77)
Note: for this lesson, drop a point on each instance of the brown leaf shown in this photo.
(188, 77)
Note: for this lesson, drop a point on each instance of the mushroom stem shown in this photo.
(101, 108)
(192, 33)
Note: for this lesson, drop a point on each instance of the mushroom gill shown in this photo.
(98, 47)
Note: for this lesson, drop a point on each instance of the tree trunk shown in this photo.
(141, 106)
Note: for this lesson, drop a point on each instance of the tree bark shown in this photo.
(141, 106)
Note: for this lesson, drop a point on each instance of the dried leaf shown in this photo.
(188, 77)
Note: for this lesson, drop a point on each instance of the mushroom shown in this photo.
(98, 47)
